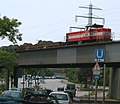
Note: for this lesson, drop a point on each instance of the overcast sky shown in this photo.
(51, 19)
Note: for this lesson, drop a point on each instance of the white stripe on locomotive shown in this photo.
(78, 36)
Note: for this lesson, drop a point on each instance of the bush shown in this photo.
(2, 87)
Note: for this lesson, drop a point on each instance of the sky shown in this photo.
(50, 20)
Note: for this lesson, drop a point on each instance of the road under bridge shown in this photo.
(76, 56)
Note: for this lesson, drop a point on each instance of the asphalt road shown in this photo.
(55, 83)
(48, 83)
(52, 84)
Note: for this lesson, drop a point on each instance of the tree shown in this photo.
(9, 29)
(8, 59)
(83, 74)
(71, 73)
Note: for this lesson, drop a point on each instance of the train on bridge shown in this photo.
(92, 33)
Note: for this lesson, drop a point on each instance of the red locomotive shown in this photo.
(92, 33)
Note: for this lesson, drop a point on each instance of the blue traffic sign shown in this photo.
(96, 77)
(99, 55)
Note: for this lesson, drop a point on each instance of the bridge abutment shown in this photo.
(115, 83)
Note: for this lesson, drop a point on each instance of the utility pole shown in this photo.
(90, 14)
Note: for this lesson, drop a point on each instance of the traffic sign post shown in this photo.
(100, 57)
(96, 73)
(96, 91)
(96, 77)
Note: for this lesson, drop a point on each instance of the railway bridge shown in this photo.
(82, 55)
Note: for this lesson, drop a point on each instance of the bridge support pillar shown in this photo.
(16, 71)
(7, 77)
(115, 83)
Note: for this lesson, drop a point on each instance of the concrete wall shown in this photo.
(115, 83)
(70, 55)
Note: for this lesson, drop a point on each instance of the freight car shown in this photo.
(40, 45)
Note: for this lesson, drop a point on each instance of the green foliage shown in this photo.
(71, 73)
(107, 76)
(100, 81)
(83, 74)
(80, 75)
(8, 59)
(48, 72)
(9, 29)
(2, 87)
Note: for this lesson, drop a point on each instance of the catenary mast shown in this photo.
(90, 14)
